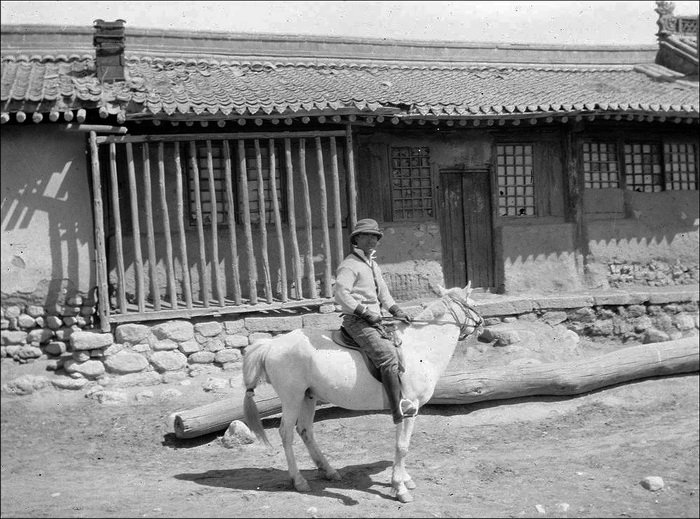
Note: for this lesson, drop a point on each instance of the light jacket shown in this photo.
(355, 284)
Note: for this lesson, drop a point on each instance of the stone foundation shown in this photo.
(147, 354)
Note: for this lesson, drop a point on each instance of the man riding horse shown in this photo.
(361, 292)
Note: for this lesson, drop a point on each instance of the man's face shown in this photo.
(367, 242)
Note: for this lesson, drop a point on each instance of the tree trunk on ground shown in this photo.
(554, 378)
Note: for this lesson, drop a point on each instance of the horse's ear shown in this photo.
(440, 290)
(468, 288)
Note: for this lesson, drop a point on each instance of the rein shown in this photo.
(468, 310)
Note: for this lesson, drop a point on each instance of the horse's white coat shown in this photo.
(304, 366)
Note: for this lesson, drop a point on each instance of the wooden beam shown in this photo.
(186, 281)
(100, 249)
(204, 286)
(186, 137)
(327, 289)
(118, 237)
(231, 217)
(352, 184)
(278, 219)
(262, 222)
(503, 383)
(337, 215)
(170, 268)
(250, 253)
(214, 227)
(136, 228)
(309, 256)
(292, 217)
(150, 235)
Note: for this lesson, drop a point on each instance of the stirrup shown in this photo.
(407, 408)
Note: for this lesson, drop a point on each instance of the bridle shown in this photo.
(469, 320)
(469, 313)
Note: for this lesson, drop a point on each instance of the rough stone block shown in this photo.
(505, 306)
(564, 301)
(228, 355)
(125, 362)
(209, 329)
(12, 337)
(236, 341)
(273, 324)
(322, 321)
(168, 360)
(189, 347)
(236, 327)
(131, 333)
(177, 331)
(201, 357)
(89, 369)
(90, 341)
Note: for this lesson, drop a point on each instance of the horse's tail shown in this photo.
(253, 373)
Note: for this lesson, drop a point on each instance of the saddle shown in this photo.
(343, 338)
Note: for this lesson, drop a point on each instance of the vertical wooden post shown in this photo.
(337, 217)
(278, 220)
(166, 228)
(327, 292)
(100, 250)
(352, 185)
(263, 222)
(292, 217)
(252, 267)
(308, 221)
(118, 238)
(136, 228)
(150, 236)
(214, 227)
(186, 282)
(575, 198)
(231, 218)
(203, 274)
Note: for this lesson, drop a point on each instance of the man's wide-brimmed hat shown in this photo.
(366, 226)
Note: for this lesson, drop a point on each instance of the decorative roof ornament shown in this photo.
(666, 21)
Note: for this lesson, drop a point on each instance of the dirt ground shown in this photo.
(64, 455)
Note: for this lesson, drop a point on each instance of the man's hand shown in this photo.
(370, 317)
(400, 314)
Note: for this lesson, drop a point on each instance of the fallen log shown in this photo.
(467, 387)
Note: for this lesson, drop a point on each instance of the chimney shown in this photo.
(109, 42)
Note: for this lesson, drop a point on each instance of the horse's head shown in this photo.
(457, 301)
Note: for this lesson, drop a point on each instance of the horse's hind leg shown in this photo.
(401, 482)
(305, 428)
(291, 409)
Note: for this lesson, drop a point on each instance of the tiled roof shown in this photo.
(223, 88)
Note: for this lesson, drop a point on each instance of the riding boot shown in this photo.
(392, 385)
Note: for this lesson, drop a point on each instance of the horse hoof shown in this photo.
(410, 484)
(332, 475)
(406, 497)
(302, 486)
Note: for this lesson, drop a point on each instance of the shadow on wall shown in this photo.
(46, 218)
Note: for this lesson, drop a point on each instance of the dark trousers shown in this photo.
(380, 351)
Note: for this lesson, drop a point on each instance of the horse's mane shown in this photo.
(437, 308)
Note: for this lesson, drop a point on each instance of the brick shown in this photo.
(273, 324)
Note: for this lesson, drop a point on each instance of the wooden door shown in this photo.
(465, 219)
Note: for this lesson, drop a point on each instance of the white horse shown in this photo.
(306, 366)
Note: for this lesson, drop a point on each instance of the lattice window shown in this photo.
(643, 169)
(600, 169)
(411, 185)
(220, 184)
(516, 189)
(681, 166)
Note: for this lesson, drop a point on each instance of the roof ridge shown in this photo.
(337, 63)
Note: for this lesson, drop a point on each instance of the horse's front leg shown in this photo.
(401, 482)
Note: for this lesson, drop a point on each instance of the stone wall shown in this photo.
(161, 352)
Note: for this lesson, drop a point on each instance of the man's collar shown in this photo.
(362, 255)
